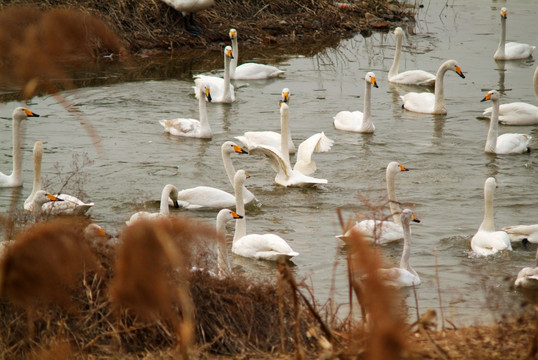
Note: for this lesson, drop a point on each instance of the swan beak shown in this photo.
(208, 95)
(503, 14)
(30, 114)
(176, 204)
(415, 219)
(374, 83)
(487, 97)
(246, 175)
(285, 97)
(459, 72)
(54, 198)
(232, 34)
(402, 168)
(236, 215)
(229, 53)
(238, 149)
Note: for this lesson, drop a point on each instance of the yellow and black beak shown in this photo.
(236, 215)
(176, 204)
(486, 98)
(374, 83)
(232, 34)
(52, 197)
(503, 14)
(415, 219)
(238, 149)
(402, 168)
(30, 114)
(285, 97)
(459, 72)
(208, 94)
(229, 53)
(247, 175)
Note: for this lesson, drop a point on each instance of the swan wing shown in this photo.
(398, 277)
(512, 143)
(527, 278)
(486, 243)
(414, 77)
(379, 231)
(419, 102)
(520, 232)
(143, 215)
(315, 143)
(204, 197)
(255, 71)
(275, 158)
(514, 50)
(266, 247)
(251, 139)
(516, 113)
(181, 127)
(69, 205)
(216, 84)
(348, 121)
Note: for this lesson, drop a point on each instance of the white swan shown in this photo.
(379, 231)
(280, 160)
(169, 191)
(357, 121)
(224, 216)
(187, 9)
(487, 241)
(206, 197)
(40, 199)
(70, 204)
(221, 89)
(191, 127)
(518, 113)
(261, 247)
(404, 275)
(506, 143)
(15, 179)
(521, 232)
(429, 103)
(511, 50)
(528, 276)
(251, 139)
(409, 77)
(249, 71)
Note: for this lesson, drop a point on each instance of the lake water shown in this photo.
(445, 154)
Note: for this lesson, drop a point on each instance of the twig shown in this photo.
(439, 289)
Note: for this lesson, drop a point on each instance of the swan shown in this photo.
(518, 113)
(304, 166)
(192, 127)
(357, 121)
(528, 276)
(379, 231)
(40, 199)
(506, 143)
(251, 139)
(169, 191)
(404, 275)
(511, 50)
(221, 89)
(70, 204)
(487, 241)
(409, 77)
(15, 179)
(224, 216)
(206, 197)
(249, 71)
(261, 247)
(521, 232)
(429, 103)
(187, 9)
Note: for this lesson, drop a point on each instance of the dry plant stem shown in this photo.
(439, 289)
(280, 294)
(438, 349)
(416, 303)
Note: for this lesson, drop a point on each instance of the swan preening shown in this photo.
(69, 204)
(409, 77)
(528, 276)
(191, 127)
(487, 241)
(357, 121)
(261, 247)
(169, 191)
(187, 9)
(304, 166)
(506, 143)
(429, 103)
(523, 232)
(249, 71)
(251, 139)
(380, 231)
(511, 50)
(15, 178)
(221, 89)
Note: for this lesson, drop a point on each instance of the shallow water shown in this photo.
(445, 154)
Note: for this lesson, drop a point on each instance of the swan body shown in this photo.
(380, 231)
(262, 247)
(520, 232)
(69, 205)
(487, 241)
(251, 139)
(511, 50)
(506, 143)
(15, 178)
(404, 275)
(428, 103)
(191, 127)
(206, 197)
(249, 71)
(528, 276)
(280, 160)
(169, 191)
(409, 77)
(221, 89)
(357, 121)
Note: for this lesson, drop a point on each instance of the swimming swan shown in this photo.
(251, 139)
(224, 216)
(487, 241)
(69, 205)
(528, 276)
(518, 113)
(280, 160)
(169, 191)
(15, 179)
(409, 77)
(191, 127)
(249, 71)
(221, 89)
(261, 247)
(506, 143)
(404, 275)
(357, 121)
(206, 197)
(521, 232)
(379, 231)
(511, 50)
(429, 103)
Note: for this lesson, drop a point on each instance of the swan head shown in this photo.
(233, 34)
(490, 184)
(503, 13)
(408, 215)
(21, 113)
(492, 95)
(172, 192)
(41, 197)
(453, 65)
(228, 52)
(393, 167)
(240, 177)
(370, 78)
(231, 147)
(226, 215)
(398, 31)
(285, 95)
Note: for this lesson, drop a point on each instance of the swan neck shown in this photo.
(535, 82)
(17, 151)
(164, 209)
(395, 68)
(240, 224)
(502, 41)
(222, 262)
(394, 206)
(202, 108)
(439, 91)
(284, 135)
(226, 76)
(367, 103)
(38, 155)
(228, 166)
(406, 253)
(235, 53)
(491, 140)
(488, 223)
